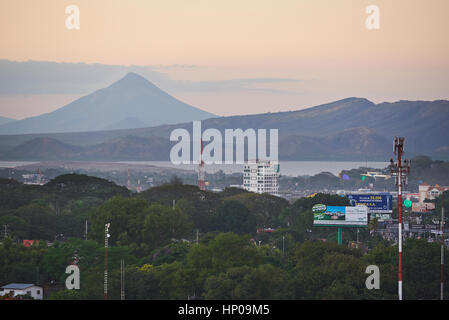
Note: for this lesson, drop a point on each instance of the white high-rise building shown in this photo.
(261, 177)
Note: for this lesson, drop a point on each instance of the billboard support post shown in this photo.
(340, 217)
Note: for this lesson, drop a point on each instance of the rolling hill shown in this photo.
(348, 129)
(4, 120)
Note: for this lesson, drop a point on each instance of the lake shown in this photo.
(288, 168)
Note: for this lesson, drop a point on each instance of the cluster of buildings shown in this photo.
(34, 178)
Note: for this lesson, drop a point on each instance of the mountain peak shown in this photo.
(130, 102)
(132, 76)
(132, 80)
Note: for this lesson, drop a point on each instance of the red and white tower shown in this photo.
(400, 170)
(39, 176)
(138, 188)
(201, 173)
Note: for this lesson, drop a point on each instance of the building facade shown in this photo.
(19, 289)
(430, 192)
(261, 177)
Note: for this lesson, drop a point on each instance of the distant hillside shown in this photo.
(349, 129)
(356, 143)
(43, 149)
(127, 123)
(130, 102)
(128, 148)
(4, 120)
(123, 148)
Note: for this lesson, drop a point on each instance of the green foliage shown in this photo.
(328, 271)
(77, 185)
(161, 224)
(422, 270)
(234, 216)
(66, 295)
(163, 260)
(126, 217)
(225, 251)
(175, 251)
(299, 222)
(197, 204)
(242, 283)
(265, 207)
(18, 263)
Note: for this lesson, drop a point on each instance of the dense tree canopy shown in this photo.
(164, 259)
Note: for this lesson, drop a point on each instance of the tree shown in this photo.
(19, 263)
(126, 216)
(328, 271)
(232, 216)
(162, 224)
(299, 221)
(265, 207)
(41, 220)
(241, 283)
(422, 270)
(225, 251)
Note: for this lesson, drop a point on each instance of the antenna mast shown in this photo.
(400, 170)
(106, 245)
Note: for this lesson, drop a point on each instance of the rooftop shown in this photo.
(19, 286)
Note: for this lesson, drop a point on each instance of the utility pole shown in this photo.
(5, 235)
(400, 171)
(85, 231)
(122, 279)
(442, 247)
(106, 236)
(283, 245)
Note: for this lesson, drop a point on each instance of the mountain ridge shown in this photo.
(347, 129)
(4, 120)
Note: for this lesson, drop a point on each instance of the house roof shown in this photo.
(19, 286)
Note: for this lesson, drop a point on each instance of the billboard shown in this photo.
(340, 216)
(377, 203)
(381, 216)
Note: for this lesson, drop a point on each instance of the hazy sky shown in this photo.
(233, 56)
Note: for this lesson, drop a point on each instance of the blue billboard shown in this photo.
(376, 203)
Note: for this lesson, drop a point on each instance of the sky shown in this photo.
(225, 57)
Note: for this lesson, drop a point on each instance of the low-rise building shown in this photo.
(21, 289)
(430, 192)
